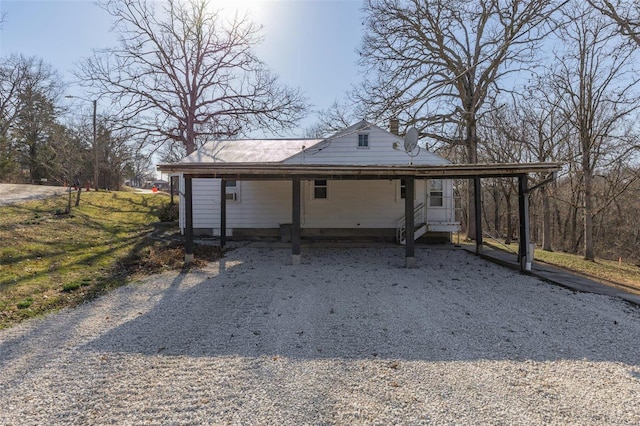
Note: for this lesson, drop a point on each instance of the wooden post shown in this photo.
(188, 213)
(477, 195)
(171, 183)
(524, 251)
(410, 259)
(223, 213)
(295, 227)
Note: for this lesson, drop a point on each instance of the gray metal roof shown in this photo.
(248, 151)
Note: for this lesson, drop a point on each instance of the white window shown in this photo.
(363, 140)
(232, 191)
(320, 189)
(436, 198)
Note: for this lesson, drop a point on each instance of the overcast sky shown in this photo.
(309, 43)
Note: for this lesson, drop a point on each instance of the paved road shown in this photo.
(16, 193)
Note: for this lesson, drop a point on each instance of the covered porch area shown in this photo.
(296, 174)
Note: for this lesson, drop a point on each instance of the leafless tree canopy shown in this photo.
(182, 73)
(438, 61)
(20, 75)
(436, 64)
(625, 13)
(331, 120)
(583, 111)
(29, 89)
(597, 82)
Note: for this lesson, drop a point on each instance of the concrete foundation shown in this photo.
(410, 262)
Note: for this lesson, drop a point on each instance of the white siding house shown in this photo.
(329, 208)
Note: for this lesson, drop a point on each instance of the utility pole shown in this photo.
(95, 147)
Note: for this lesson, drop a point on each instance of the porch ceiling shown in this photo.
(262, 171)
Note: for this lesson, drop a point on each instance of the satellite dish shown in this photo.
(411, 139)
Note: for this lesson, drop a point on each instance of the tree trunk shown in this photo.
(472, 158)
(546, 220)
(496, 208)
(587, 204)
(78, 196)
(507, 240)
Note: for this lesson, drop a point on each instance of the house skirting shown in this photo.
(283, 234)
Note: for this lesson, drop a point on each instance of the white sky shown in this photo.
(310, 44)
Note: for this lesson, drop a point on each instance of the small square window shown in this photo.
(320, 189)
(363, 140)
(231, 190)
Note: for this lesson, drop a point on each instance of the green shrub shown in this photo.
(168, 213)
(24, 304)
(72, 286)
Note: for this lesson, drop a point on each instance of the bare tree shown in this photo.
(598, 85)
(29, 89)
(331, 120)
(625, 13)
(181, 73)
(17, 75)
(67, 158)
(439, 62)
(545, 135)
(32, 130)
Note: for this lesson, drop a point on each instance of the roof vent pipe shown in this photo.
(394, 126)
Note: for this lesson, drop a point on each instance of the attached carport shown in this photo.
(298, 173)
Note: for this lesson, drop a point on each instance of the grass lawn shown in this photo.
(49, 261)
(609, 272)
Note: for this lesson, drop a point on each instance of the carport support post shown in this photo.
(295, 228)
(188, 213)
(410, 259)
(171, 183)
(477, 207)
(524, 251)
(223, 213)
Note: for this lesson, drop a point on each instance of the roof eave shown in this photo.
(287, 171)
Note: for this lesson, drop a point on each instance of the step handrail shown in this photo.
(418, 219)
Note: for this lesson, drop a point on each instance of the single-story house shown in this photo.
(363, 181)
(330, 208)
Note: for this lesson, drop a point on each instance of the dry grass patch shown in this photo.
(50, 260)
(610, 272)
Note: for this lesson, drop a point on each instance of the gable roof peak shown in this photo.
(357, 127)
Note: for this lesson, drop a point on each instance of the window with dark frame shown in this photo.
(320, 189)
(403, 190)
(363, 140)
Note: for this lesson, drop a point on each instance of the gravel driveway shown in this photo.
(16, 193)
(348, 337)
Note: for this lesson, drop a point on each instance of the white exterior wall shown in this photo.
(260, 204)
(344, 150)
(356, 204)
(350, 204)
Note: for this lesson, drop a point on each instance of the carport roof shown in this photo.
(250, 171)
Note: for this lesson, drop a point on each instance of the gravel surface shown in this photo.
(17, 193)
(348, 337)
